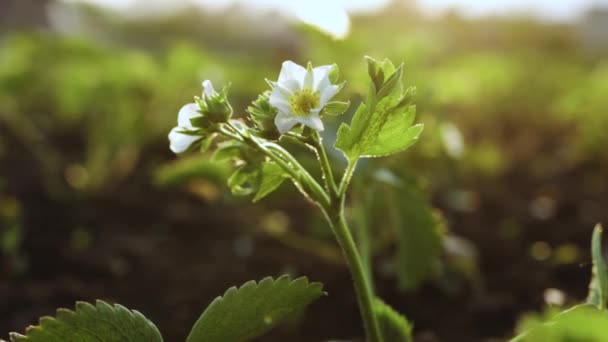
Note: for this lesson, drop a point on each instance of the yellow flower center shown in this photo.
(303, 101)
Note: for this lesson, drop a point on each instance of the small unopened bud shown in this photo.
(218, 108)
(263, 114)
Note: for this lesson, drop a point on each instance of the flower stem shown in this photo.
(365, 296)
(328, 174)
(348, 174)
(363, 288)
(288, 163)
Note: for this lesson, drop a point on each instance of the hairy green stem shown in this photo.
(348, 174)
(332, 206)
(361, 229)
(361, 280)
(363, 289)
(328, 174)
(287, 162)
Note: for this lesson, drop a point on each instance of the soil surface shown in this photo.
(168, 253)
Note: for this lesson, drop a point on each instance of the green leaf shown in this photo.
(258, 179)
(375, 71)
(245, 180)
(196, 167)
(399, 203)
(272, 176)
(393, 326)
(245, 313)
(101, 322)
(383, 125)
(598, 288)
(228, 150)
(580, 323)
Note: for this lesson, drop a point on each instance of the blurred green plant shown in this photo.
(584, 322)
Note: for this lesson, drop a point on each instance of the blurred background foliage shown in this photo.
(492, 207)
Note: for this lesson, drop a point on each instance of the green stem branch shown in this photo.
(328, 175)
(363, 289)
(361, 280)
(348, 174)
(287, 162)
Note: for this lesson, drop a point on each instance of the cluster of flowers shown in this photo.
(299, 96)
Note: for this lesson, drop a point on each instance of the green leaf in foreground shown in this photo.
(383, 125)
(580, 323)
(393, 326)
(99, 322)
(245, 313)
(598, 288)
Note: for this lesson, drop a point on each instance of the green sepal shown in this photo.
(336, 107)
(200, 122)
(218, 108)
(262, 114)
(245, 313)
(334, 74)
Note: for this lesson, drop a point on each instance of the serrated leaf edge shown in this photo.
(79, 306)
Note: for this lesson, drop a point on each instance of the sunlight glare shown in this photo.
(327, 17)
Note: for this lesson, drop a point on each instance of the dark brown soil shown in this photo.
(168, 253)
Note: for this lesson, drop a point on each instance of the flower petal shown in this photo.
(279, 99)
(321, 74)
(313, 121)
(327, 93)
(284, 122)
(208, 88)
(280, 92)
(187, 112)
(291, 71)
(309, 78)
(179, 142)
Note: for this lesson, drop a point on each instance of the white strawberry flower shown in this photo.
(300, 94)
(185, 134)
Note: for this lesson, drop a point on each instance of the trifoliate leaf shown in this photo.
(272, 176)
(92, 323)
(598, 288)
(245, 313)
(393, 326)
(383, 125)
